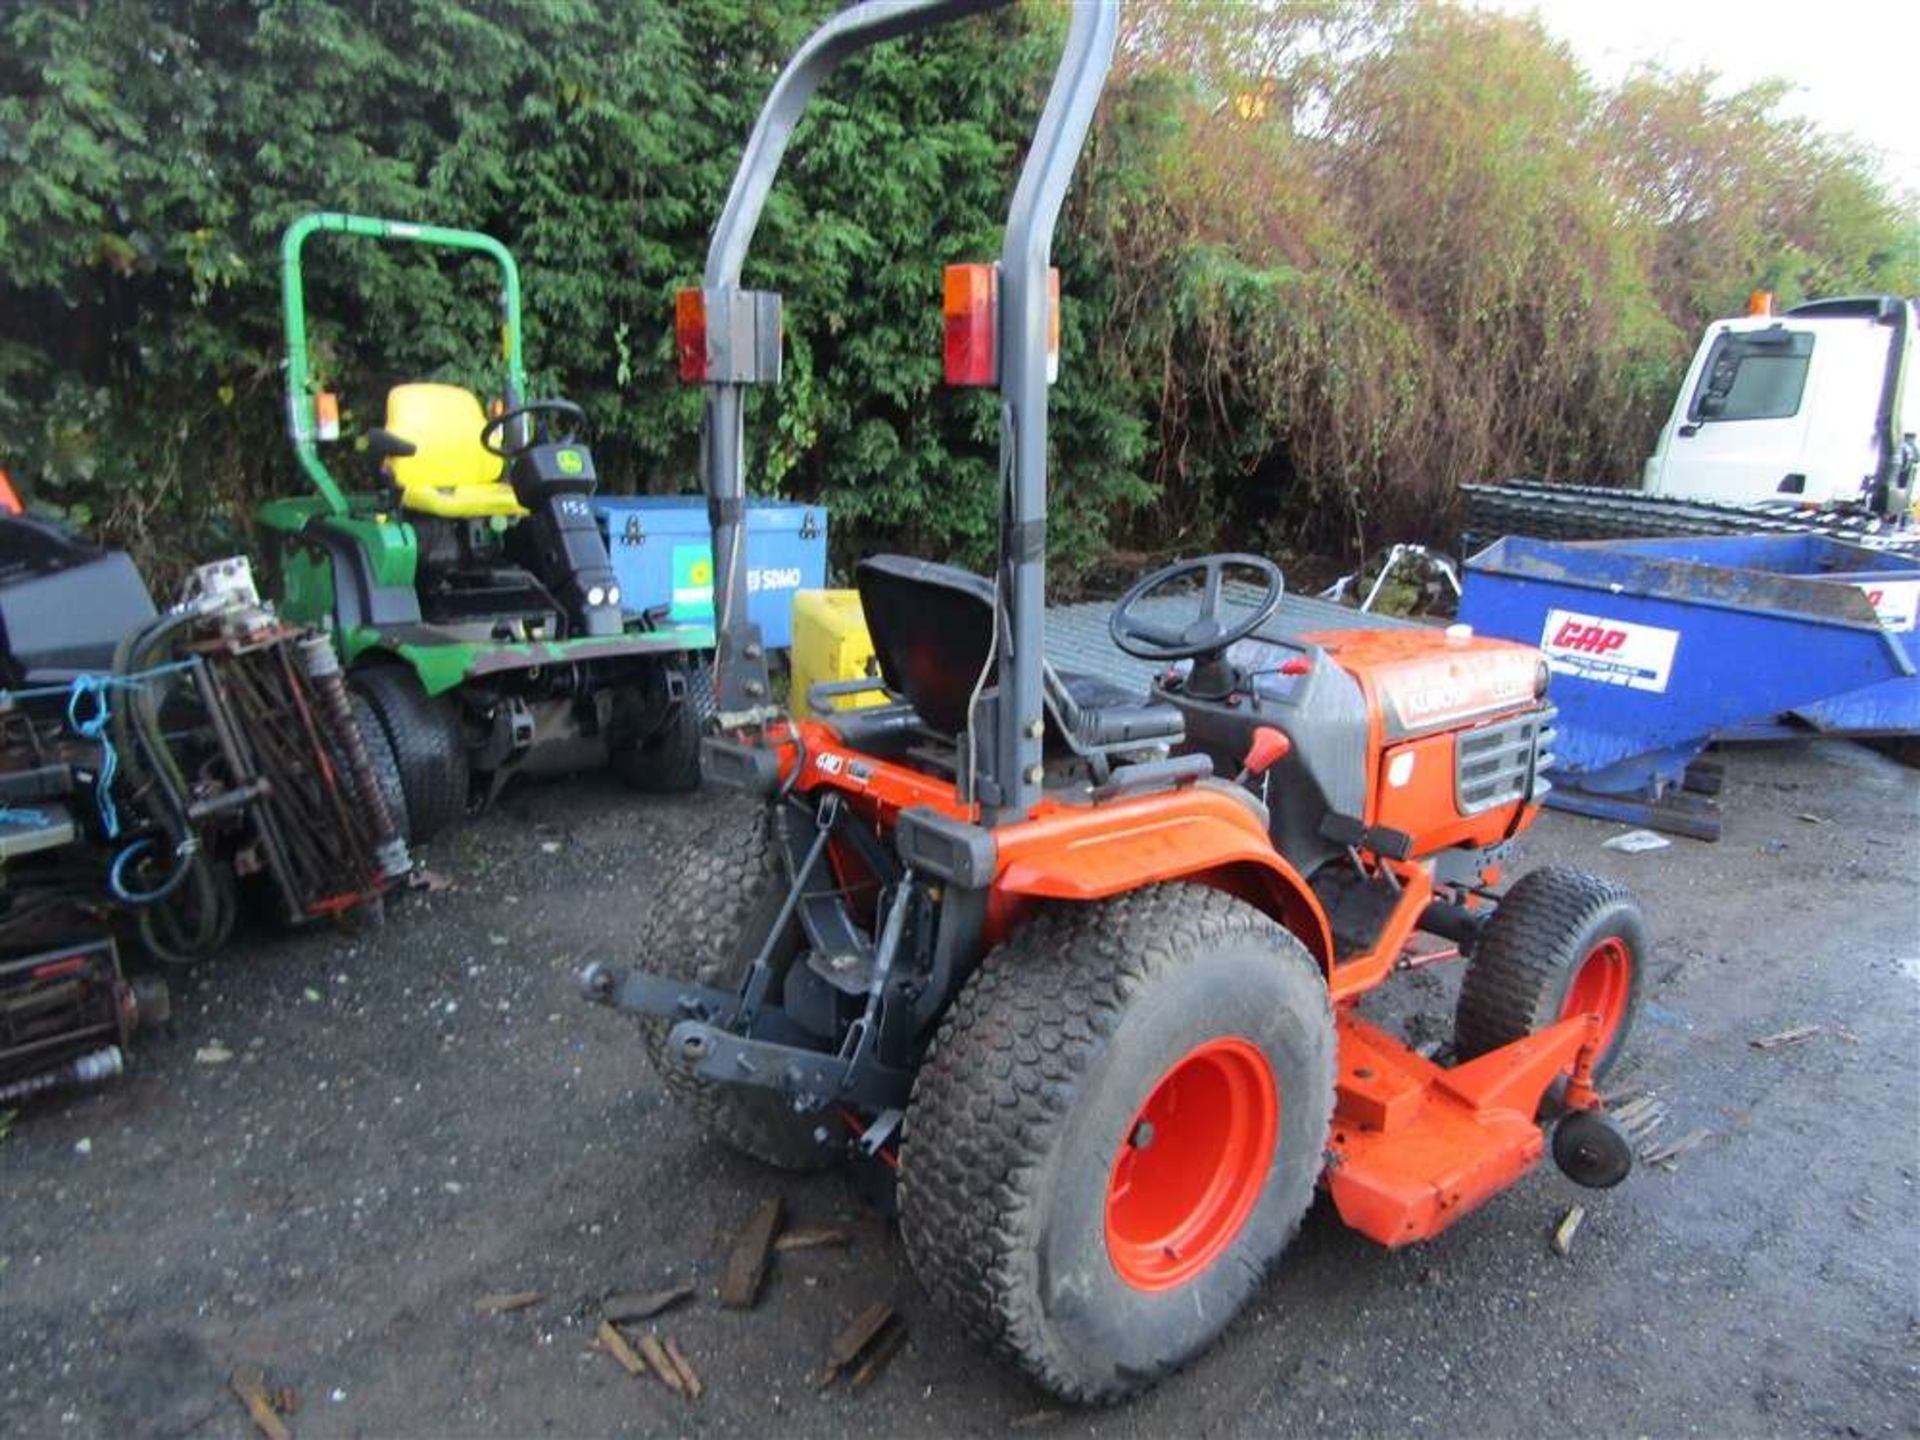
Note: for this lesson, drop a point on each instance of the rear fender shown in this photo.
(1202, 833)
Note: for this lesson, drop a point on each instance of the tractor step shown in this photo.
(1416, 1146)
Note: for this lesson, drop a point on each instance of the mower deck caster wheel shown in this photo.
(1592, 1150)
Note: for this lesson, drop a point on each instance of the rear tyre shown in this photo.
(1116, 1133)
(666, 759)
(429, 751)
(720, 903)
(386, 766)
(1562, 942)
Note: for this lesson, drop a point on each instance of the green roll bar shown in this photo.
(301, 423)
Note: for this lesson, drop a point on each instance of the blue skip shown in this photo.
(1660, 646)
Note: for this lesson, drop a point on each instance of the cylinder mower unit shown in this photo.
(154, 766)
(468, 586)
(1078, 967)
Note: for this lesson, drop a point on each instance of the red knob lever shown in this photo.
(1269, 748)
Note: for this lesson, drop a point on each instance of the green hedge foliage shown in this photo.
(1322, 263)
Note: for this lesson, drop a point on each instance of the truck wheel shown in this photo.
(711, 921)
(428, 748)
(666, 761)
(1561, 943)
(386, 767)
(1116, 1133)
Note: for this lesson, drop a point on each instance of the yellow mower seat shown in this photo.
(450, 474)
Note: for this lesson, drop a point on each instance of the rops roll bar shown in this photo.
(729, 338)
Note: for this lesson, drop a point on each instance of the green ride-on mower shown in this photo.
(465, 579)
(1074, 973)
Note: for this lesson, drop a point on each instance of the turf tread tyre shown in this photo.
(428, 748)
(386, 766)
(718, 896)
(1517, 980)
(667, 762)
(1010, 1062)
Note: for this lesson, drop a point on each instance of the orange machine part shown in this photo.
(1208, 832)
(1415, 1146)
(1418, 699)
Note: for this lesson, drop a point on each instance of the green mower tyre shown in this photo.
(667, 762)
(1116, 1132)
(386, 766)
(1563, 941)
(712, 919)
(428, 748)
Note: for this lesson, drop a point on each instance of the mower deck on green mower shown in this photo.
(472, 593)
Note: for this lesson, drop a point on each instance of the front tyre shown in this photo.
(1116, 1133)
(1563, 942)
(718, 904)
(660, 754)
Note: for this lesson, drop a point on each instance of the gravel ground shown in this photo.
(423, 1112)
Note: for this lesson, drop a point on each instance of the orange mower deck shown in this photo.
(1416, 1146)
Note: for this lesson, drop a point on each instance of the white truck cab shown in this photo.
(1811, 408)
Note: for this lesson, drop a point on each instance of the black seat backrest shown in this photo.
(65, 605)
(932, 630)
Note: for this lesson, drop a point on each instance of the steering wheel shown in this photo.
(1205, 633)
(493, 435)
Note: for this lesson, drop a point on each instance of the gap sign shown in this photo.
(1609, 652)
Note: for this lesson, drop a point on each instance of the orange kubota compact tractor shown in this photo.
(1076, 969)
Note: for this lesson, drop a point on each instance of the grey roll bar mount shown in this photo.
(739, 319)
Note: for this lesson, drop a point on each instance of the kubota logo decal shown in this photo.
(1454, 688)
(1609, 652)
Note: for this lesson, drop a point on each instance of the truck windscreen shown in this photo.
(1759, 375)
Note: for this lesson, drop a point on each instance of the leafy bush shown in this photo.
(1322, 263)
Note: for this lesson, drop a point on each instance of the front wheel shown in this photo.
(661, 753)
(1116, 1133)
(719, 902)
(1562, 943)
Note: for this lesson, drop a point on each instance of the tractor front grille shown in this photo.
(1503, 762)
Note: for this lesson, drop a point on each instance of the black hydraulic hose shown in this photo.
(191, 912)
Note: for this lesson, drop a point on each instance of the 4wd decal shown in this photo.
(1609, 652)
(1896, 602)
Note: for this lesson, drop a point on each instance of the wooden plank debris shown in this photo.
(885, 1346)
(615, 1344)
(815, 1239)
(625, 1308)
(1792, 1035)
(747, 1265)
(661, 1364)
(251, 1388)
(688, 1376)
(854, 1338)
(1669, 1154)
(1568, 1227)
(506, 1303)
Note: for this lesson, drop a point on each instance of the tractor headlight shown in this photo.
(613, 594)
(597, 596)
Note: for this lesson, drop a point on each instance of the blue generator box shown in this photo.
(662, 553)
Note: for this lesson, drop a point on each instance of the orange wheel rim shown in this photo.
(1602, 986)
(1192, 1164)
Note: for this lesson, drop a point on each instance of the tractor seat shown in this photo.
(932, 631)
(450, 473)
